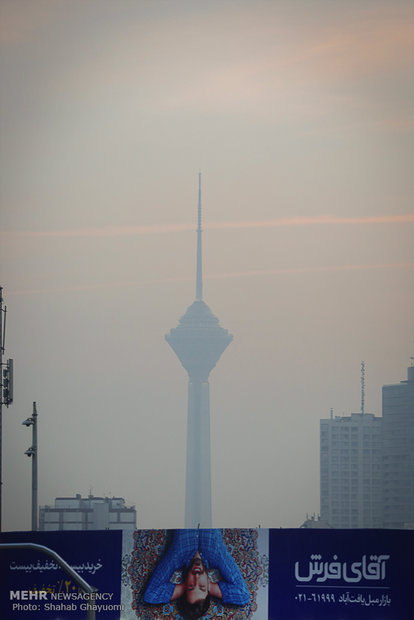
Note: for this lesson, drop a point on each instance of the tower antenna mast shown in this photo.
(199, 275)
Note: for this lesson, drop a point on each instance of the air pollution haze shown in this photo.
(300, 117)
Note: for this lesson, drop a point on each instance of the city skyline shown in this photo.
(300, 118)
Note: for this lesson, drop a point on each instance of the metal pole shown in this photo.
(90, 613)
(6, 386)
(1, 398)
(34, 469)
(32, 452)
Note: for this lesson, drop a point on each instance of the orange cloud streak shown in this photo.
(123, 231)
(298, 270)
(322, 219)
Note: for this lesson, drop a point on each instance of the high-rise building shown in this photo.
(87, 513)
(398, 452)
(198, 341)
(351, 471)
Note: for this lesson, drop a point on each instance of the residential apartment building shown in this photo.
(351, 471)
(398, 452)
(367, 464)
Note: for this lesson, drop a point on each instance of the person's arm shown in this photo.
(232, 586)
(160, 589)
(214, 590)
(178, 591)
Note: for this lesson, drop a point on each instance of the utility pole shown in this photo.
(1, 398)
(6, 386)
(32, 451)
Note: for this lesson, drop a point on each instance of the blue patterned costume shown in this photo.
(214, 554)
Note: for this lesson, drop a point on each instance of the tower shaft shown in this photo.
(198, 511)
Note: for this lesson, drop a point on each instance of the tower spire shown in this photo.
(199, 276)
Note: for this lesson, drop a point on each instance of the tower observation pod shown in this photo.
(198, 341)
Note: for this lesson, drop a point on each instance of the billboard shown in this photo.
(238, 574)
(236, 563)
(341, 574)
(34, 586)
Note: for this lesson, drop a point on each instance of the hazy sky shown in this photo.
(300, 117)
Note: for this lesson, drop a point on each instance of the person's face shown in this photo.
(196, 582)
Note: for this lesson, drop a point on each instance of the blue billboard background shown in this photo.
(341, 574)
(95, 555)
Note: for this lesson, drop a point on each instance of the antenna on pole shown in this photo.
(362, 387)
(32, 452)
(6, 384)
(3, 323)
(1, 396)
(199, 275)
